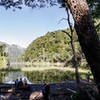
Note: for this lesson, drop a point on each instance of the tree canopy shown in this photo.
(30, 3)
(2, 48)
(93, 4)
(95, 12)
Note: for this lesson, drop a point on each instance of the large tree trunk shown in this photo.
(87, 36)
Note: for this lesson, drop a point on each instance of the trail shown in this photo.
(58, 91)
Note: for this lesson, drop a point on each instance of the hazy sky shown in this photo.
(23, 26)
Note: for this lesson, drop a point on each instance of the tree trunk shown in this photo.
(87, 36)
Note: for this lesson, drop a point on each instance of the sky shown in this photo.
(21, 27)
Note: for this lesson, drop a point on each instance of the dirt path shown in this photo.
(58, 92)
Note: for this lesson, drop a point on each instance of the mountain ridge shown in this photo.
(13, 50)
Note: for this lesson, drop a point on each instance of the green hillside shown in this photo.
(3, 55)
(53, 47)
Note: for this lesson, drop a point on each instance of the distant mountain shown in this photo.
(2, 43)
(13, 50)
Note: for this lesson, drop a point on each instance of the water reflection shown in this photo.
(35, 74)
(13, 75)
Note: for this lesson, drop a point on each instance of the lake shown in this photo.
(37, 73)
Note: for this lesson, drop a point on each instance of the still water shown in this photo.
(13, 75)
(10, 74)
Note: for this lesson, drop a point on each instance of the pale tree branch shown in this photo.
(69, 23)
(61, 20)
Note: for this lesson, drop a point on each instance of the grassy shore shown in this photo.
(53, 68)
(40, 66)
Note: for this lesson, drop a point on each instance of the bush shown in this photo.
(49, 75)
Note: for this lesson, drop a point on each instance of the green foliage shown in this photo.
(53, 47)
(52, 75)
(3, 55)
(2, 49)
(95, 12)
(2, 75)
(1, 61)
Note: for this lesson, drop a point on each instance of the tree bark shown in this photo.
(87, 36)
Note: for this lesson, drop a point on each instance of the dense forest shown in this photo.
(53, 47)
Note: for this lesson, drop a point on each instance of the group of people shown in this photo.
(19, 84)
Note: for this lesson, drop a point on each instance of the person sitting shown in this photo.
(16, 83)
(25, 82)
(20, 83)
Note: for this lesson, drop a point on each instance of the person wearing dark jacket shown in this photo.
(20, 83)
(16, 83)
(46, 91)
